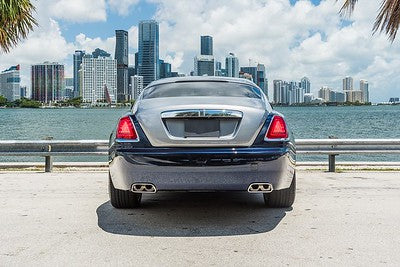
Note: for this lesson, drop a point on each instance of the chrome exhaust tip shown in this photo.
(260, 188)
(144, 188)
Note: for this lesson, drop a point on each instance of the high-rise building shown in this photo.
(280, 92)
(148, 54)
(136, 63)
(262, 80)
(232, 65)
(354, 96)
(324, 93)
(47, 82)
(78, 55)
(306, 85)
(100, 53)
(121, 55)
(347, 83)
(165, 69)
(99, 80)
(10, 83)
(137, 86)
(365, 91)
(218, 68)
(252, 71)
(206, 45)
(24, 92)
(69, 88)
(204, 65)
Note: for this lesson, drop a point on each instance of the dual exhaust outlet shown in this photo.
(260, 188)
(144, 188)
(147, 188)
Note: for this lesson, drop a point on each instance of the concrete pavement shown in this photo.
(65, 219)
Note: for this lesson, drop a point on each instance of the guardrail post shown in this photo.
(48, 165)
(332, 163)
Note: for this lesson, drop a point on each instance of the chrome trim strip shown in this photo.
(201, 113)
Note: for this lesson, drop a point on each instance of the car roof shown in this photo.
(202, 79)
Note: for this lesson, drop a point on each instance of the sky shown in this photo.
(291, 38)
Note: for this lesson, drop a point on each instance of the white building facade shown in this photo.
(10, 83)
(137, 86)
(232, 65)
(98, 80)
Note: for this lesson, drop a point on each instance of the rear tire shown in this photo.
(122, 199)
(283, 198)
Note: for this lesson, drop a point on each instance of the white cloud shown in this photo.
(122, 6)
(78, 10)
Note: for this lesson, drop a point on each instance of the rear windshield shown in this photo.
(182, 89)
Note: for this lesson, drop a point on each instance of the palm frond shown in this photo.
(348, 7)
(16, 21)
(388, 19)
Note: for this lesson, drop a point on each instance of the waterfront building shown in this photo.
(136, 63)
(280, 92)
(261, 79)
(24, 92)
(77, 58)
(306, 85)
(337, 97)
(99, 80)
(354, 96)
(100, 53)
(206, 45)
(394, 100)
(165, 69)
(137, 86)
(148, 54)
(324, 93)
(365, 91)
(218, 68)
(348, 83)
(47, 82)
(121, 56)
(308, 97)
(10, 83)
(204, 65)
(69, 88)
(250, 70)
(232, 65)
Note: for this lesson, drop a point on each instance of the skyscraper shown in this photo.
(347, 83)
(148, 54)
(218, 68)
(252, 71)
(10, 83)
(121, 56)
(100, 53)
(78, 55)
(365, 91)
(99, 79)
(306, 85)
(47, 82)
(232, 65)
(137, 86)
(204, 65)
(165, 69)
(262, 80)
(206, 45)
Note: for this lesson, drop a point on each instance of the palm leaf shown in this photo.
(388, 19)
(16, 21)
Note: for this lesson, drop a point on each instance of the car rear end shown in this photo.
(203, 135)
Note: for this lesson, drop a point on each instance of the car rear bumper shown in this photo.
(202, 169)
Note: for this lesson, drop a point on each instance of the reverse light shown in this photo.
(277, 129)
(126, 129)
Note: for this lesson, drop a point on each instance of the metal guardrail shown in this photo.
(330, 147)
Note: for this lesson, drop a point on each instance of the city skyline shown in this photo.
(315, 54)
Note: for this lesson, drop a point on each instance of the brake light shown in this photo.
(277, 129)
(126, 129)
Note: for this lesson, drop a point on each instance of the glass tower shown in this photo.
(78, 55)
(206, 45)
(121, 55)
(148, 54)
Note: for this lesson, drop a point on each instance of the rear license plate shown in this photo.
(202, 128)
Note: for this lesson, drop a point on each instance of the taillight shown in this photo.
(125, 129)
(277, 129)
